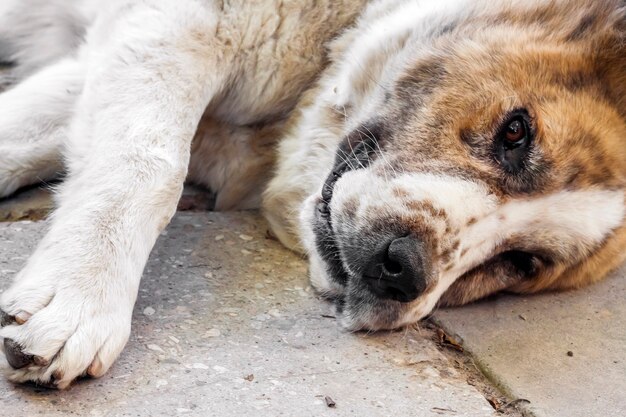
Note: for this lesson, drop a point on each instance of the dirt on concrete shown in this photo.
(464, 363)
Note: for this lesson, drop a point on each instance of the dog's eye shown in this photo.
(513, 142)
(515, 132)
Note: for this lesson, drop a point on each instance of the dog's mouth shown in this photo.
(326, 244)
(351, 155)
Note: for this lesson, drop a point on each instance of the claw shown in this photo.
(15, 357)
(96, 369)
(22, 317)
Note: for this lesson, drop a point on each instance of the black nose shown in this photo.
(397, 271)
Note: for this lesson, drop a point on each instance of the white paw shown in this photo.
(57, 328)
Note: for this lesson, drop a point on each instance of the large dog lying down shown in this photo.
(420, 152)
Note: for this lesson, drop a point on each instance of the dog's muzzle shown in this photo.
(396, 269)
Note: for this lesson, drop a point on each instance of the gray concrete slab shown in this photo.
(226, 324)
(522, 344)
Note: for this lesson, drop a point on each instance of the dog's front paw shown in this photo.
(56, 330)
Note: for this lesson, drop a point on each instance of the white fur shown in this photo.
(127, 149)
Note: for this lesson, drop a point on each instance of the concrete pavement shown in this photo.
(563, 352)
(226, 324)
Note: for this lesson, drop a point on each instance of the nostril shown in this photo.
(393, 265)
(392, 268)
(398, 270)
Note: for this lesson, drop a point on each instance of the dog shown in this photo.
(420, 153)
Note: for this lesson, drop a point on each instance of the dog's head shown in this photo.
(486, 153)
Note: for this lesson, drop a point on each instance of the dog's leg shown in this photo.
(128, 151)
(34, 117)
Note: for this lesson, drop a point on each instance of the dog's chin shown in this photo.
(356, 312)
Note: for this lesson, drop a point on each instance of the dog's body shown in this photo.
(424, 152)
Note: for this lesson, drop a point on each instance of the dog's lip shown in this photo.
(351, 155)
(326, 247)
(326, 243)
